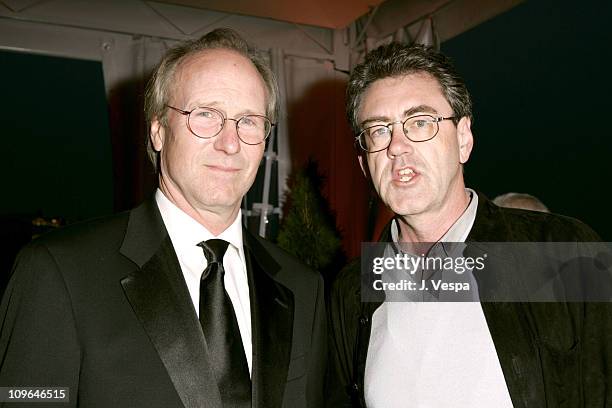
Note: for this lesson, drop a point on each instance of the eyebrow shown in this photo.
(219, 106)
(419, 109)
(407, 113)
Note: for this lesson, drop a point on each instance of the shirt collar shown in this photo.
(185, 232)
(459, 231)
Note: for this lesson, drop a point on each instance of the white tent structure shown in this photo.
(308, 41)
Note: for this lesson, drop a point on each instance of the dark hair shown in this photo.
(159, 87)
(393, 60)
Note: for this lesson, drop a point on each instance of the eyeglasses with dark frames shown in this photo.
(418, 128)
(205, 123)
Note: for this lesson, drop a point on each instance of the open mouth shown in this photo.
(405, 175)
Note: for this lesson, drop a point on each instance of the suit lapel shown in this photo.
(272, 309)
(160, 299)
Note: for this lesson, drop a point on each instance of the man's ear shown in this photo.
(365, 169)
(465, 139)
(363, 165)
(157, 134)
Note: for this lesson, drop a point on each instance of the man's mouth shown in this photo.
(221, 168)
(405, 175)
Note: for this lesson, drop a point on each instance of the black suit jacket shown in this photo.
(551, 354)
(103, 308)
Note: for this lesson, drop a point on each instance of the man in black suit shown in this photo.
(412, 116)
(174, 304)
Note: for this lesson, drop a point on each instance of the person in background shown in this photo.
(520, 200)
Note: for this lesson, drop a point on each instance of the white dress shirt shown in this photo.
(434, 354)
(185, 234)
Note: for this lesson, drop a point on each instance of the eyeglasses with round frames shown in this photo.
(205, 123)
(419, 128)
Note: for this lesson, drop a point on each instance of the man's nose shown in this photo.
(228, 140)
(400, 144)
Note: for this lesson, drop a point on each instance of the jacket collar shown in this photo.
(272, 313)
(160, 299)
(490, 223)
(144, 234)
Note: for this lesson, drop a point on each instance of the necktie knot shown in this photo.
(214, 249)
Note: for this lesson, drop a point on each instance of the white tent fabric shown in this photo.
(427, 34)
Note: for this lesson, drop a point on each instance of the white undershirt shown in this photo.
(185, 234)
(434, 354)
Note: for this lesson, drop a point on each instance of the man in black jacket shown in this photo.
(412, 116)
(174, 304)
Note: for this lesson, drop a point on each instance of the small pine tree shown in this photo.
(308, 229)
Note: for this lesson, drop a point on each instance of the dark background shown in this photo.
(57, 158)
(539, 78)
(56, 164)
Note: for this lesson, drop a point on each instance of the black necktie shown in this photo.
(221, 330)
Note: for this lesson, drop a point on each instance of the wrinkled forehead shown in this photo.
(391, 96)
(216, 67)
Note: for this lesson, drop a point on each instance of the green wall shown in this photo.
(539, 77)
(57, 158)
